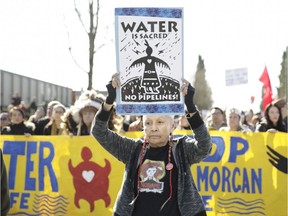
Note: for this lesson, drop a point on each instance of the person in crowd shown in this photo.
(4, 120)
(246, 119)
(177, 121)
(25, 109)
(33, 106)
(217, 119)
(137, 124)
(115, 122)
(87, 114)
(282, 103)
(18, 126)
(9, 107)
(78, 118)
(45, 120)
(255, 120)
(233, 116)
(16, 99)
(157, 179)
(5, 197)
(127, 120)
(71, 120)
(39, 113)
(272, 121)
(183, 123)
(55, 126)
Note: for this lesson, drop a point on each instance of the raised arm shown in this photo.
(119, 146)
(199, 148)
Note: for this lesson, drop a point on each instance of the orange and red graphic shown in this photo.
(151, 174)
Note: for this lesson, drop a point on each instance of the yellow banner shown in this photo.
(245, 174)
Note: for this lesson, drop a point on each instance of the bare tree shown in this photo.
(91, 31)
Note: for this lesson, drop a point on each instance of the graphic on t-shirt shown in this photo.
(90, 180)
(151, 173)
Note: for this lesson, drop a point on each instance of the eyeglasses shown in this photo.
(4, 119)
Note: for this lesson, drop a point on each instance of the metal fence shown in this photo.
(29, 88)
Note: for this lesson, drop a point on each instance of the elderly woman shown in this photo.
(157, 179)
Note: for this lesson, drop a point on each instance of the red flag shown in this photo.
(267, 89)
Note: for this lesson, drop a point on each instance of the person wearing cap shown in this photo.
(233, 116)
(18, 126)
(157, 179)
(217, 119)
(55, 125)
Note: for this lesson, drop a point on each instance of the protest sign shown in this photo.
(149, 53)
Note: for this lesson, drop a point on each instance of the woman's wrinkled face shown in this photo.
(274, 114)
(157, 129)
(16, 117)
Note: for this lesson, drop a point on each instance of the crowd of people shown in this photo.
(56, 119)
(157, 170)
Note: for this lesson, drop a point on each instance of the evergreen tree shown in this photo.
(203, 93)
(282, 90)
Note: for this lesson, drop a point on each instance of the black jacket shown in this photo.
(18, 129)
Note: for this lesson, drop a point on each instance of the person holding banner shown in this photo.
(79, 117)
(158, 178)
(233, 116)
(18, 125)
(217, 119)
(272, 121)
